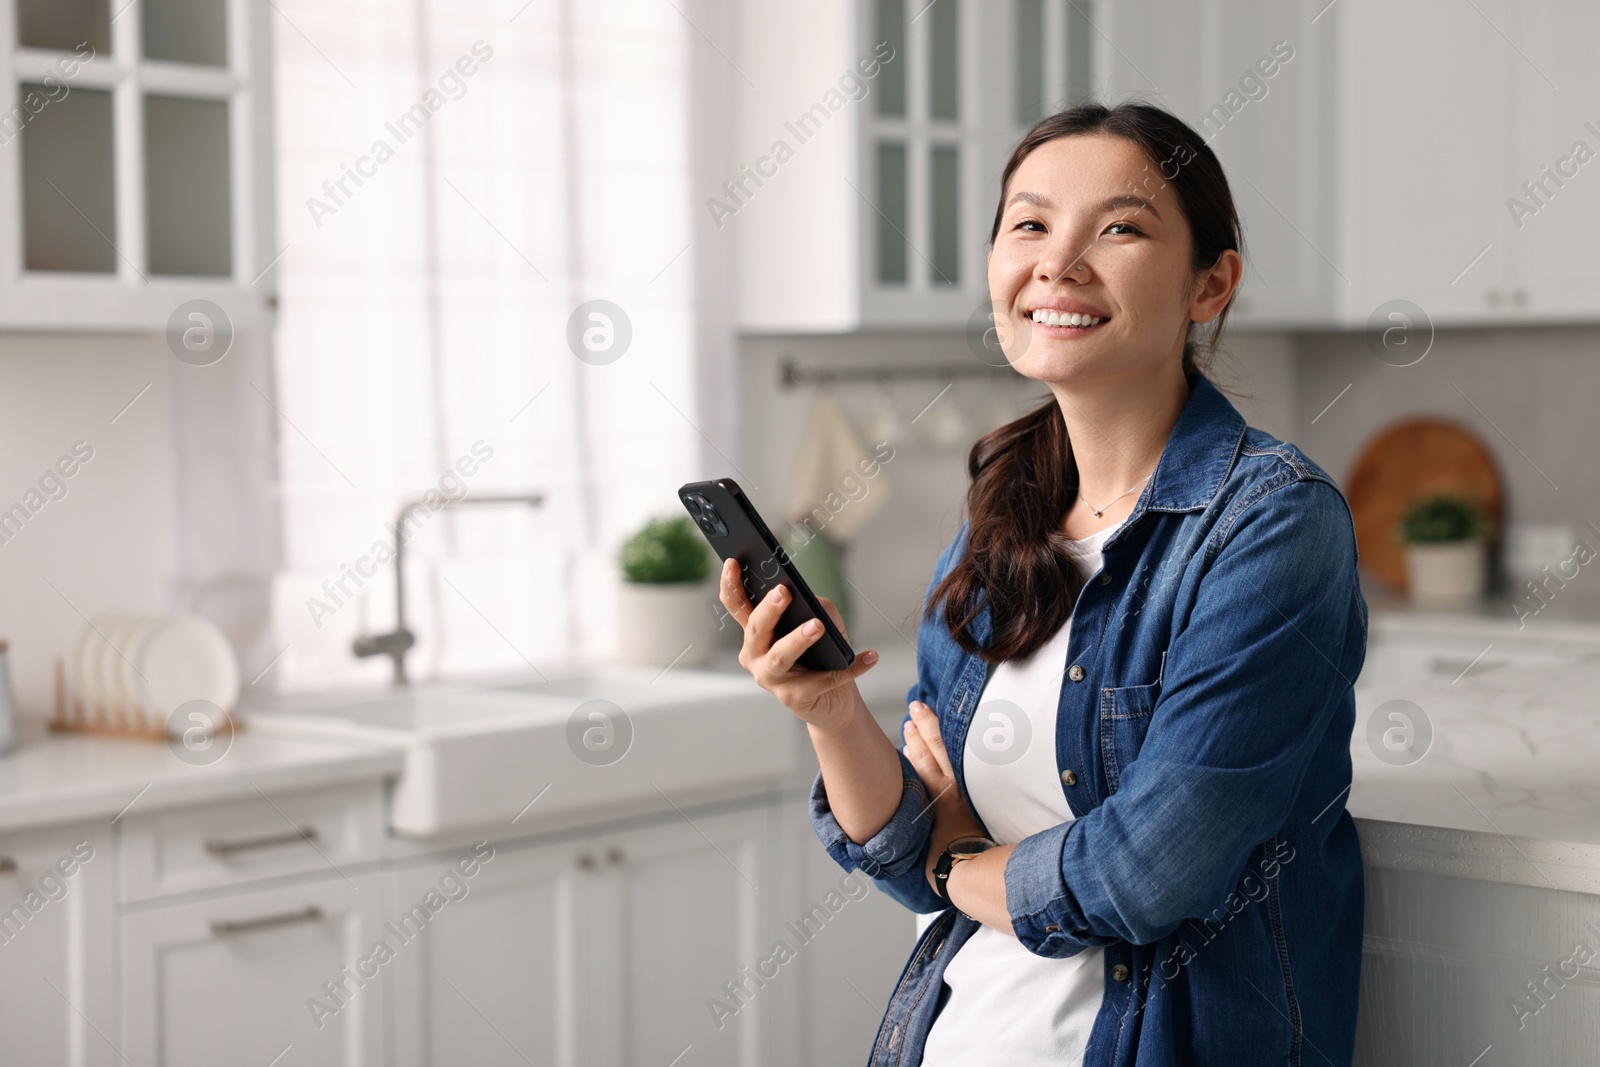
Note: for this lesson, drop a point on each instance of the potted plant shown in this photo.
(1446, 538)
(664, 612)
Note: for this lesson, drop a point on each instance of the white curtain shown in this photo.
(455, 177)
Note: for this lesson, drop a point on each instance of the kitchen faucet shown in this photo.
(398, 642)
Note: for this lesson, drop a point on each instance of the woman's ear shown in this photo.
(1216, 287)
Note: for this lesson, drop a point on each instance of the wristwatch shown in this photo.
(962, 848)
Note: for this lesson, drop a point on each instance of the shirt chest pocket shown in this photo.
(1124, 720)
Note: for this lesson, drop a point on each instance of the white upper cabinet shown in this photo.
(1429, 151)
(1466, 143)
(1254, 79)
(135, 162)
(1550, 197)
(1425, 167)
(871, 152)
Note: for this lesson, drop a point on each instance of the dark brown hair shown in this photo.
(1024, 476)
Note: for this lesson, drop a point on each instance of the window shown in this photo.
(454, 189)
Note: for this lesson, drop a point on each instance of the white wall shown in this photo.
(111, 541)
(175, 512)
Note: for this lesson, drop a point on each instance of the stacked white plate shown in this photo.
(139, 667)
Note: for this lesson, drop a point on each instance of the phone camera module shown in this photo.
(706, 515)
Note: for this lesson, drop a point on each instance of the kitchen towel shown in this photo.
(838, 483)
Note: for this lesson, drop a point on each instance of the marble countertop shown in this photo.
(53, 778)
(1499, 777)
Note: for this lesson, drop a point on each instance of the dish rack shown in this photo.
(73, 715)
(132, 672)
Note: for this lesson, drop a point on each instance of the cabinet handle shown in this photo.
(586, 862)
(1519, 298)
(225, 927)
(615, 857)
(8, 865)
(219, 847)
(1493, 297)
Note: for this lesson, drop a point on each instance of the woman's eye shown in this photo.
(1033, 225)
(1131, 227)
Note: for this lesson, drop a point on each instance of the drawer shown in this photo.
(318, 831)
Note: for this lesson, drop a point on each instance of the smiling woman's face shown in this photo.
(1090, 226)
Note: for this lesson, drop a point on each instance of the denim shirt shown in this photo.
(1203, 743)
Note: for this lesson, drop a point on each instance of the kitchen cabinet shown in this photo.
(1383, 158)
(601, 949)
(235, 979)
(1255, 79)
(135, 163)
(1425, 158)
(56, 993)
(236, 915)
(851, 963)
(870, 153)
(1455, 116)
(218, 924)
(1552, 86)
(1454, 965)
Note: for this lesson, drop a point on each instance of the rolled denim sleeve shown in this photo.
(896, 855)
(1254, 687)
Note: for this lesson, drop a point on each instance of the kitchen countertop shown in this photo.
(1506, 790)
(55, 778)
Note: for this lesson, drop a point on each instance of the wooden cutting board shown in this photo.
(1412, 459)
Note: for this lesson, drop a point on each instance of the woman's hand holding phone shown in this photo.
(823, 699)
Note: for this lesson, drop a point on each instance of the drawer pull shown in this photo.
(219, 847)
(8, 865)
(225, 927)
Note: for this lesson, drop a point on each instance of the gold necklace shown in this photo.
(1101, 511)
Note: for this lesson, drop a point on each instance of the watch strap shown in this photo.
(947, 862)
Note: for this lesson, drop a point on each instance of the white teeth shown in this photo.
(1046, 317)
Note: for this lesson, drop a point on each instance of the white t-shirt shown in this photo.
(1006, 1004)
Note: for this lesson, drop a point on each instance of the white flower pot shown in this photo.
(666, 623)
(1446, 574)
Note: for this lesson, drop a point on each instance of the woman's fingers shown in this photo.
(731, 592)
(833, 613)
(786, 650)
(760, 622)
(928, 726)
(917, 752)
(938, 783)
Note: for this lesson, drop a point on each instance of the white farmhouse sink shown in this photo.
(477, 756)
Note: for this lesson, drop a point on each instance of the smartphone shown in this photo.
(735, 529)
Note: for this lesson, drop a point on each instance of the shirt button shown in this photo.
(1076, 673)
(1105, 577)
(1120, 972)
(1069, 776)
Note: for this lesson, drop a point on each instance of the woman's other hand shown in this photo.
(925, 749)
(825, 699)
(952, 817)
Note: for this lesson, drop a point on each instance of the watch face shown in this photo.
(970, 846)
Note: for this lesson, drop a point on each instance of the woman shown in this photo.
(1144, 635)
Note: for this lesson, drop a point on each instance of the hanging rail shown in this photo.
(791, 374)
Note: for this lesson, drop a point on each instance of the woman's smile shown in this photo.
(1065, 318)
